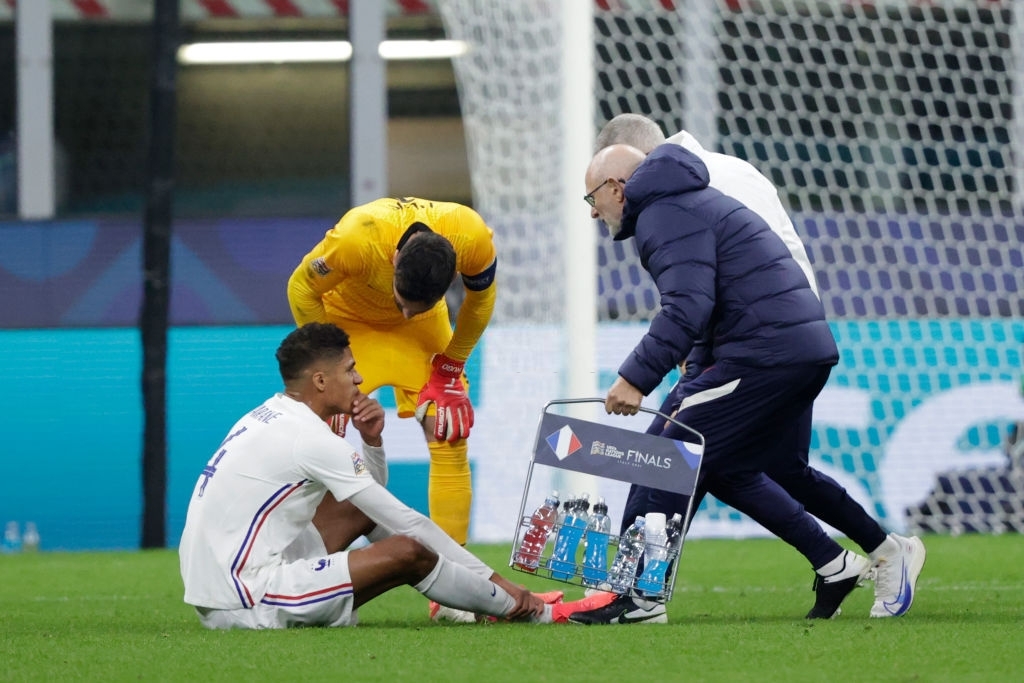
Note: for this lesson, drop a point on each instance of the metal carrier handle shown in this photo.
(642, 409)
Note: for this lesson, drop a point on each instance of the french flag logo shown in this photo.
(564, 443)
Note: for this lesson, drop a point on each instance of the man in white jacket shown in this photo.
(264, 547)
(730, 175)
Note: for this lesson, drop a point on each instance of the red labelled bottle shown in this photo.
(536, 538)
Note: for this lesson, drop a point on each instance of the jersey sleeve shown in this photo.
(477, 263)
(390, 514)
(341, 254)
(332, 461)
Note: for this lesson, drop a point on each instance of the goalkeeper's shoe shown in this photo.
(831, 590)
(896, 571)
(624, 609)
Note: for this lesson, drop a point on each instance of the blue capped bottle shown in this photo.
(595, 559)
(563, 559)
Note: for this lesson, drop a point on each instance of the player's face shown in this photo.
(411, 308)
(342, 382)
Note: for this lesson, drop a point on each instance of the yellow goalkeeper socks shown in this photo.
(450, 492)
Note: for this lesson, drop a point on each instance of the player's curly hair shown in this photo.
(308, 344)
(425, 268)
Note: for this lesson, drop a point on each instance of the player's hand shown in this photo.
(623, 398)
(527, 604)
(445, 390)
(368, 418)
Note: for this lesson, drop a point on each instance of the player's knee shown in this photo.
(413, 555)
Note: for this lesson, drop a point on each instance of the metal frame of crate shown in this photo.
(611, 452)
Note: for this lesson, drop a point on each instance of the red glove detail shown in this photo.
(338, 423)
(445, 390)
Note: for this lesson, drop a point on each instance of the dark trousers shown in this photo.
(757, 434)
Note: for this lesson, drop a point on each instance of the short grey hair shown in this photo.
(630, 129)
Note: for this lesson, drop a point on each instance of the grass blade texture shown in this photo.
(737, 615)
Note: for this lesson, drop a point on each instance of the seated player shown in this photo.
(264, 546)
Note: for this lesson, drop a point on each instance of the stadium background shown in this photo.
(925, 301)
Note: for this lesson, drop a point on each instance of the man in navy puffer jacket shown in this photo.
(726, 278)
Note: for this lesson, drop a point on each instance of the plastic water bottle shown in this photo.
(566, 504)
(652, 580)
(536, 537)
(12, 538)
(674, 540)
(631, 548)
(674, 536)
(30, 539)
(595, 559)
(563, 559)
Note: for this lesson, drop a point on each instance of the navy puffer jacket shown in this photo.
(723, 276)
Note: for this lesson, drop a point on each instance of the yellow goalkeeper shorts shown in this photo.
(398, 355)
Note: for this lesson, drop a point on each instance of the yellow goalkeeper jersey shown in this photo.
(349, 275)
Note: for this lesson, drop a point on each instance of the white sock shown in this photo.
(890, 546)
(455, 586)
(544, 617)
(833, 567)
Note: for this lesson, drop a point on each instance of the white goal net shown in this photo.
(892, 130)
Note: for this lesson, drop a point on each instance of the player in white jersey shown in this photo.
(264, 548)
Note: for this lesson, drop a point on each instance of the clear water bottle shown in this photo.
(30, 539)
(674, 540)
(563, 559)
(536, 538)
(674, 534)
(652, 580)
(631, 549)
(595, 559)
(12, 538)
(566, 504)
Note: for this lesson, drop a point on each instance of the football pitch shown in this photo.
(737, 615)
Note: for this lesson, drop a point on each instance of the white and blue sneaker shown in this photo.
(897, 564)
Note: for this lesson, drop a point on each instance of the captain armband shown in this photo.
(481, 281)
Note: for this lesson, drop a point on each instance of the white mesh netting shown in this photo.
(889, 127)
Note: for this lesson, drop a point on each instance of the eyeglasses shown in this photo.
(589, 197)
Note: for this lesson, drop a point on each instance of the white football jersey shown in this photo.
(256, 495)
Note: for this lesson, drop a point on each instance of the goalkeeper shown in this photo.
(381, 274)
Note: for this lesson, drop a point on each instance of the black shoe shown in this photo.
(624, 609)
(830, 591)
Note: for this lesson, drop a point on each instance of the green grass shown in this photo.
(737, 615)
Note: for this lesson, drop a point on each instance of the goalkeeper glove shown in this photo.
(338, 423)
(445, 390)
